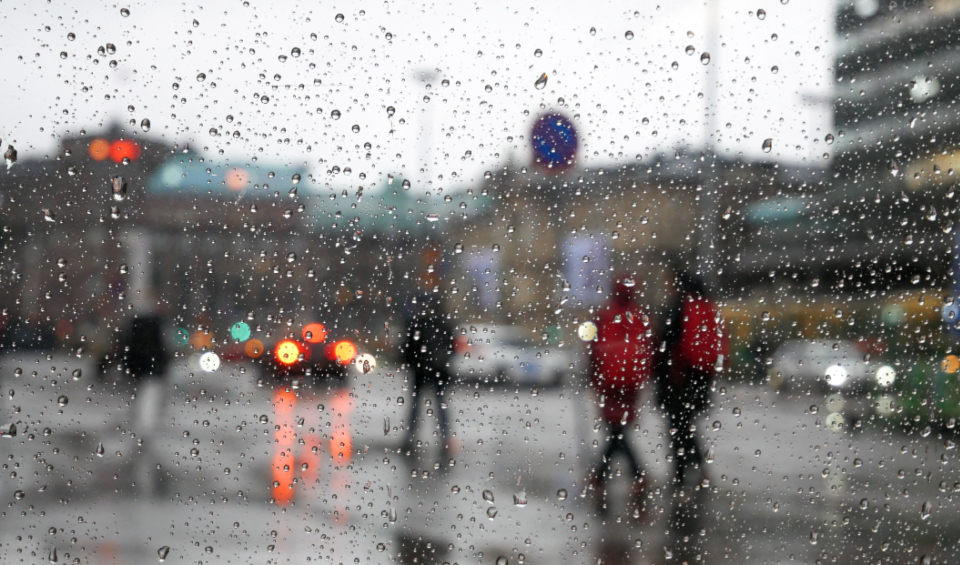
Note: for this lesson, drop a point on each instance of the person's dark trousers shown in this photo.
(422, 383)
(682, 407)
(617, 444)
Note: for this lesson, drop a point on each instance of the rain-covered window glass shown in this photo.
(488, 283)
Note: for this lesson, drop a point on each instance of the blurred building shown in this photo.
(888, 220)
(544, 253)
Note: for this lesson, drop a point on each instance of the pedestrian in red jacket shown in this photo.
(621, 358)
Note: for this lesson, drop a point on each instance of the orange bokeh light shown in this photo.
(287, 352)
(314, 333)
(122, 148)
(344, 351)
(99, 149)
(253, 348)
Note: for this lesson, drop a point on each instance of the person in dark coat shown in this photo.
(427, 349)
(142, 349)
(621, 359)
(692, 352)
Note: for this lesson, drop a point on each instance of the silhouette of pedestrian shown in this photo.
(693, 349)
(621, 361)
(427, 350)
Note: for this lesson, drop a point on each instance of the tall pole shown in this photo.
(707, 252)
(426, 76)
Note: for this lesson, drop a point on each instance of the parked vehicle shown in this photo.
(506, 354)
(854, 385)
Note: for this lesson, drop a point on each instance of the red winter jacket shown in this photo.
(621, 358)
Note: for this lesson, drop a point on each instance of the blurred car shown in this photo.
(506, 354)
(311, 360)
(854, 384)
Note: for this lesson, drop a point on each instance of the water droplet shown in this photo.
(926, 510)
(828, 139)
(339, 18)
(628, 35)
(335, 114)
(774, 69)
(541, 82)
(100, 450)
(10, 156)
(264, 99)
(767, 145)
(19, 495)
(295, 52)
(488, 496)
(123, 268)
(124, 12)
(562, 494)
(717, 425)
(538, 53)
(77, 373)
(381, 547)
(201, 77)
(893, 167)
(63, 401)
(593, 31)
(761, 14)
(391, 111)
(492, 512)
(405, 184)
(264, 419)
(813, 538)
(71, 36)
(10, 430)
(118, 187)
(52, 556)
(705, 58)
(355, 128)
(163, 552)
(145, 124)
(63, 55)
(864, 504)
(502, 560)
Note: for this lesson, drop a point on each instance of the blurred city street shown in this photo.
(781, 487)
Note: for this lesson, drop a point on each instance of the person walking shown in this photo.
(427, 349)
(621, 359)
(693, 351)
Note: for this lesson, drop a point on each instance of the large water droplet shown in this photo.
(145, 124)
(541, 82)
(335, 114)
(63, 401)
(705, 58)
(201, 77)
(628, 35)
(488, 496)
(10, 156)
(163, 552)
(767, 145)
(118, 187)
(100, 450)
(761, 14)
(339, 18)
(391, 111)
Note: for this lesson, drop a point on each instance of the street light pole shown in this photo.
(707, 252)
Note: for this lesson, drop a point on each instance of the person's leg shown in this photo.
(613, 445)
(685, 441)
(442, 420)
(416, 393)
(676, 413)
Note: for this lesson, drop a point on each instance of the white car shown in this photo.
(507, 354)
(827, 365)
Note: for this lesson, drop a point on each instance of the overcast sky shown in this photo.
(604, 80)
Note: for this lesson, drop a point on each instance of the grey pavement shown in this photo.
(783, 487)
